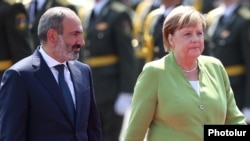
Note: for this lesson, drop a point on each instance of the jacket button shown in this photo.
(202, 107)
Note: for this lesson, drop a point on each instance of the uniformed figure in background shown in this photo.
(36, 8)
(15, 38)
(133, 3)
(247, 3)
(229, 40)
(208, 5)
(203, 6)
(139, 16)
(152, 34)
(109, 52)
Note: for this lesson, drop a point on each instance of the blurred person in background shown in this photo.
(228, 39)
(152, 37)
(130, 3)
(202, 5)
(110, 54)
(15, 38)
(142, 10)
(36, 8)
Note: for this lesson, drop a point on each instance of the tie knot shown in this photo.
(60, 68)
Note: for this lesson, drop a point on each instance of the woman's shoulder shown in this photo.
(209, 60)
(156, 63)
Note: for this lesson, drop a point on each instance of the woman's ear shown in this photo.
(171, 39)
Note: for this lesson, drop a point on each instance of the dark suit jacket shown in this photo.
(31, 108)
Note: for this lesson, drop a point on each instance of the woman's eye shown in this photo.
(199, 33)
(187, 34)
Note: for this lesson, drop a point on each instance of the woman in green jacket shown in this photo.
(177, 95)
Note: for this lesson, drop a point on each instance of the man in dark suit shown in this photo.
(32, 105)
(40, 6)
(110, 54)
(15, 38)
(228, 38)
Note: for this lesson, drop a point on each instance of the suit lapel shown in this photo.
(85, 16)
(78, 84)
(212, 28)
(225, 27)
(157, 28)
(44, 74)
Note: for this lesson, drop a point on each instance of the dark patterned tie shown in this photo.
(65, 90)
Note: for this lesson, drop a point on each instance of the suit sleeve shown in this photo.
(13, 108)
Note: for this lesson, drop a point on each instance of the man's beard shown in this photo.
(65, 51)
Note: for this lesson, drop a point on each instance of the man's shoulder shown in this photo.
(23, 64)
(243, 12)
(212, 14)
(62, 2)
(79, 64)
(4, 7)
(65, 3)
(153, 16)
(119, 8)
(10, 2)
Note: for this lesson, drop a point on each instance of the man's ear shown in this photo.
(52, 35)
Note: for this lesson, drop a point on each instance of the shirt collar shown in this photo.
(99, 5)
(229, 10)
(51, 62)
(40, 3)
(166, 11)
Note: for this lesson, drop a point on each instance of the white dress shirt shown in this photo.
(52, 63)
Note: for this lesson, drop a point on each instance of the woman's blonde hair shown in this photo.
(178, 18)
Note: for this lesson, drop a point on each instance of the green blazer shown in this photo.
(166, 107)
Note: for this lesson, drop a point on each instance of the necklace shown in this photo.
(193, 69)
